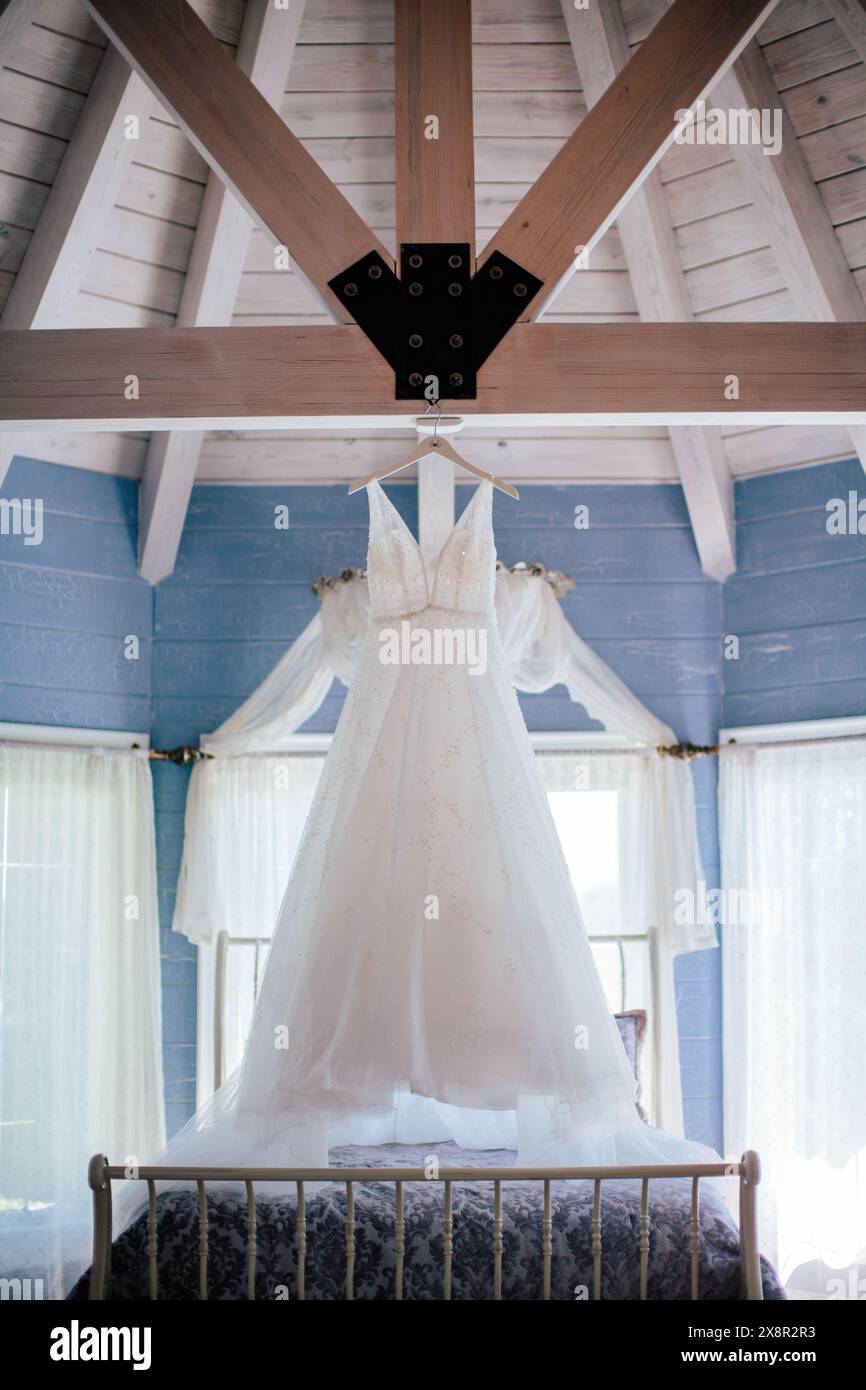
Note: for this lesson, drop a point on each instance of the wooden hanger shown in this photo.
(425, 448)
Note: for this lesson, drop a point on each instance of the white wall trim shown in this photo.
(205, 1005)
(495, 420)
(79, 738)
(295, 743)
(802, 729)
(565, 742)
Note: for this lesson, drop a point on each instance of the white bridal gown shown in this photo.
(430, 977)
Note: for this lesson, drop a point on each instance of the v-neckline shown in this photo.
(411, 534)
(430, 580)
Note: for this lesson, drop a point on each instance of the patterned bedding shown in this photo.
(472, 1273)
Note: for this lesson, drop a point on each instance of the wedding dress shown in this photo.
(429, 976)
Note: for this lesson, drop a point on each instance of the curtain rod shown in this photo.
(186, 754)
(183, 755)
(793, 742)
(687, 752)
(684, 752)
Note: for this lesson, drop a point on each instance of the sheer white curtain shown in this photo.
(793, 841)
(245, 815)
(80, 1065)
(244, 818)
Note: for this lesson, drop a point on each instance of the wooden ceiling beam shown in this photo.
(434, 176)
(220, 246)
(623, 137)
(90, 175)
(242, 138)
(212, 378)
(795, 217)
(601, 51)
(435, 148)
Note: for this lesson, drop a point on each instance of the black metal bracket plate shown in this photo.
(374, 296)
(436, 349)
(501, 290)
(438, 323)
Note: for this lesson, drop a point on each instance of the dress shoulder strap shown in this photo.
(383, 514)
(477, 517)
(396, 578)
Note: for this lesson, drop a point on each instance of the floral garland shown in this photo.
(321, 585)
(560, 583)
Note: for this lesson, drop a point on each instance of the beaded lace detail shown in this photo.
(464, 576)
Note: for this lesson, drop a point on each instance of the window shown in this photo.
(590, 795)
(255, 808)
(588, 827)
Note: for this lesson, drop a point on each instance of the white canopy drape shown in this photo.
(541, 647)
(542, 650)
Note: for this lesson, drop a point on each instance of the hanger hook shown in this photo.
(430, 404)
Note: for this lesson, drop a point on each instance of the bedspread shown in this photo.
(669, 1275)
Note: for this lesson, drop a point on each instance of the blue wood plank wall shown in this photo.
(67, 604)
(240, 594)
(798, 600)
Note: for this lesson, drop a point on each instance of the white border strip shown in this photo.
(496, 420)
(79, 738)
(565, 742)
(805, 729)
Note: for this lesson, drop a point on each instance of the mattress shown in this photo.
(669, 1271)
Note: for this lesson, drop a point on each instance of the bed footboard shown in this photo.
(101, 1175)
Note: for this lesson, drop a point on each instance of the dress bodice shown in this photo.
(463, 578)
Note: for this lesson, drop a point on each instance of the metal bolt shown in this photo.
(456, 340)
(415, 261)
(350, 289)
(496, 272)
(375, 272)
(416, 379)
(415, 340)
(520, 290)
(455, 261)
(454, 289)
(416, 288)
(455, 379)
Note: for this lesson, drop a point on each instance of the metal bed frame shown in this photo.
(101, 1175)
